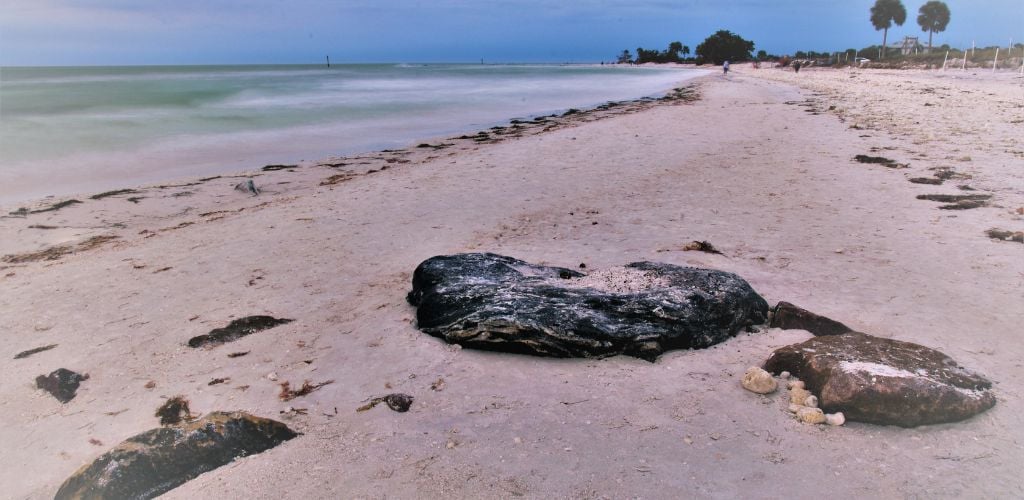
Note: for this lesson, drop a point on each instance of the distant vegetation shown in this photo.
(933, 18)
(722, 46)
(886, 12)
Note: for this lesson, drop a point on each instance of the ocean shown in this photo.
(66, 130)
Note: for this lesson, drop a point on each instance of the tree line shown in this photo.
(933, 17)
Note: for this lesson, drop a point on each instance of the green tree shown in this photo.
(625, 57)
(933, 17)
(762, 55)
(884, 13)
(724, 46)
(686, 50)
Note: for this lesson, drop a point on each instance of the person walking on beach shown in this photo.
(725, 68)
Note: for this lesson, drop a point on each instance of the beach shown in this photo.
(760, 163)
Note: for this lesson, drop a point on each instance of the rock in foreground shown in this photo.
(883, 381)
(493, 302)
(154, 462)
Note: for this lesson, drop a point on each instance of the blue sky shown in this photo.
(81, 32)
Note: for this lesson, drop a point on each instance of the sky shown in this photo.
(111, 32)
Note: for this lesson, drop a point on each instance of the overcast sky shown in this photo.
(81, 32)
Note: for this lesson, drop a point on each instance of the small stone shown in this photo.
(715, 436)
(450, 445)
(835, 418)
(810, 415)
(811, 401)
(61, 383)
(759, 381)
(795, 383)
(687, 440)
(272, 376)
(517, 440)
(784, 375)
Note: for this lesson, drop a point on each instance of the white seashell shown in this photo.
(835, 418)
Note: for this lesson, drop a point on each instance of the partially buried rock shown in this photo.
(790, 317)
(493, 302)
(236, 329)
(759, 381)
(883, 381)
(62, 383)
(154, 462)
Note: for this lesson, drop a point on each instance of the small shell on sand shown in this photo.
(759, 381)
(835, 418)
(811, 415)
(799, 396)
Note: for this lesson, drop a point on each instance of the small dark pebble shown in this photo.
(398, 402)
(62, 383)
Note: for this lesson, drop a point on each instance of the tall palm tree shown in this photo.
(884, 13)
(933, 18)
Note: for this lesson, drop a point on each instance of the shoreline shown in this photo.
(759, 166)
(178, 154)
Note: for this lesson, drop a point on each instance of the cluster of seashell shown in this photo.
(802, 402)
(805, 405)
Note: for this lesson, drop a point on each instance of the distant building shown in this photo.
(907, 46)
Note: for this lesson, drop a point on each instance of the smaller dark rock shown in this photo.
(236, 329)
(271, 168)
(25, 354)
(790, 317)
(62, 383)
(1004, 235)
(927, 180)
(398, 402)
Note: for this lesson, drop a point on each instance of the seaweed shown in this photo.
(272, 168)
(235, 330)
(701, 246)
(397, 402)
(112, 193)
(174, 411)
(25, 354)
(288, 394)
(55, 206)
(879, 160)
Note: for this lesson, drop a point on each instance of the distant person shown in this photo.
(725, 68)
(796, 66)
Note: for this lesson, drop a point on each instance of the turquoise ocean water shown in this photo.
(77, 129)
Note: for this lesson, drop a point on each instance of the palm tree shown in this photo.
(933, 18)
(884, 13)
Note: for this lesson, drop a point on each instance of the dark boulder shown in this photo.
(62, 383)
(152, 463)
(492, 302)
(790, 317)
(883, 381)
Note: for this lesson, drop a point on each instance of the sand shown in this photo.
(760, 167)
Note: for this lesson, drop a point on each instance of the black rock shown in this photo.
(493, 302)
(156, 461)
(236, 329)
(62, 383)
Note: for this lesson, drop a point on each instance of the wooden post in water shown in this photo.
(328, 61)
(995, 61)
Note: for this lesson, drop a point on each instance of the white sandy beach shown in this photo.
(761, 166)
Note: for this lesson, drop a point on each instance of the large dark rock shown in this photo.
(62, 383)
(492, 302)
(883, 381)
(790, 317)
(154, 462)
